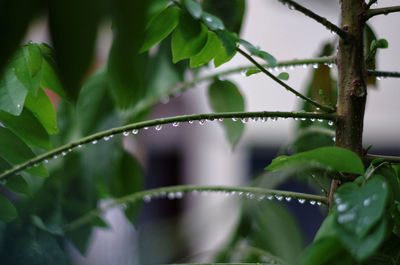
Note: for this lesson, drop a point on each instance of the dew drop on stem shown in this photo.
(202, 122)
(221, 119)
(301, 201)
(244, 120)
(135, 131)
(175, 124)
(94, 142)
(126, 133)
(278, 197)
(158, 127)
(234, 119)
(147, 198)
(313, 202)
(288, 199)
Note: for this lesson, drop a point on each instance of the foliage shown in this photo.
(51, 194)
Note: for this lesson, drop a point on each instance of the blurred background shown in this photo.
(196, 228)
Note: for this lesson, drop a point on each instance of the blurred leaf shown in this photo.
(160, 27)
(387, 171)
(18, 185)
(27, 127)
(212, 22)
(188, 38)
(43, 110)
(15, 151)
(334, 158)
(357, 210)
(12, 92)
(126, 67)
(224, 96)
(311, 138)
(93, 102)
(326, 251)
(15, 17)
(7, 210)
(259, 53)
(193, 8)
(50, 79)
(230, 11)
(252, 72)
(128, 179)
(27, 64)
(74, 42)
(283, 76)
(208, 52)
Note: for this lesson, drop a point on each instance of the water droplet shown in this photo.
(195, 192)
(201, 122)
(334, 139)
(344, 218)
(330, 65)
(301, 201)
(288, 199)
(330, 123)
(312, 119)
(234, 119)
(36, 165)
(158, 127)
(254, 119)
(367, 202)
(244, 120)
(332, 32)
(46, 161)
(94, 142)
(291, 67)
(303, 119)
(305, 65)
(263, 119)
(147, 198)
(19, 106)
(315, 66)
(70, 150)
(106, 138)
(208, 19)
(262, 197)
(319, 203)
(175, 124)
(179, 195)
(278, 197)
(296, 119)
(221, 119)
(276, 69)
(135, 131)
(320, 120)
(378, 78)
(171, 195)
(64, 153)
(146, 128)
(243, 73)
(126, 133)
(291, 7)
(191, 122)
(270, 197)
(313, 202)
(79, 146)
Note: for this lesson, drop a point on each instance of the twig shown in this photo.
(107, 134)
(292, 4)
(318, 105)
(148, 195)
(381, 11)
(383, 73)
(391, 159)
(371, 2)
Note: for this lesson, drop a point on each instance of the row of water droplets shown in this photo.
(173, 195)
(158, 127)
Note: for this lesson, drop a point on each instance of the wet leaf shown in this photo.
(208, 52)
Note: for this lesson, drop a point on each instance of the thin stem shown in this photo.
(107, 134)
(381, 11)
(383, 73)
(163, 192)
(292, 4)
(371, 2)
(391, 159)
(186, 85)
(318, 105)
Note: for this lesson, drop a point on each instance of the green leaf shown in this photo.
(27, 127)
(231, 12)
(160, 27)
(252, 72)
(188, 38)
(50, 79)
(228, 48)
(257, 52)
(12, 92)
(283, 76)
(27, 64)
(126, 67)
(224, 96)
(128, 179)
(326, 251)
(370, 61)
(15, 151)
(193, 8)
(334, 158)
(357, 210)
(212, 22)
(18, 185)
(43, 110)
(382, 44)
(208, 52)
(7, 210)
(74, 42)
(268, 58)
